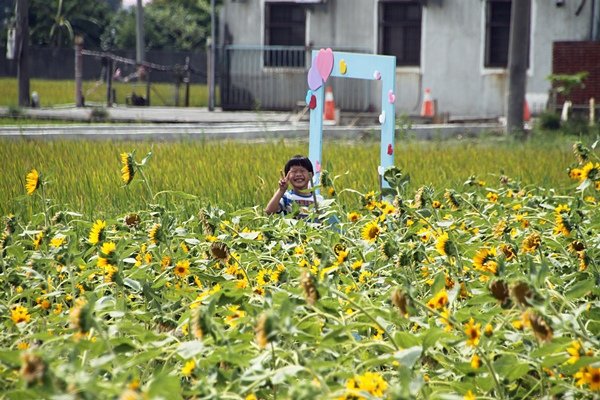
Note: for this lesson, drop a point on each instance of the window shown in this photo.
(285, 25)
(497, 33)
(400, 31)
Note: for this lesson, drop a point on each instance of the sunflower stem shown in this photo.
(383, 328)
(145, 179)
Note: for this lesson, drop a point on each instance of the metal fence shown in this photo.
(274, 78)
(59, 63)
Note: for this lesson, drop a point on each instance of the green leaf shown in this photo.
(580, 289)
(190, 349)
(406, 340)
(10, 357)
(165, 386)
(133, 284)
(408, 357)
(509, 367)
(431, 337)
(282, 373)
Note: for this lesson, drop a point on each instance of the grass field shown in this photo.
(84, 175)
(62, 92)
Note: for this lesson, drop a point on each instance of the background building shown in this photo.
(457, 48)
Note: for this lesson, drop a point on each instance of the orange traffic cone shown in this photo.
(427, 108)
(526, 112)
(329, 107)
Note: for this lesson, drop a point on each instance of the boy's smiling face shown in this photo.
(299, 177)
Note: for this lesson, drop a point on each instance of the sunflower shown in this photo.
(443, 244)
(97, 232)
(20, 314)
(32, 181)
(532, 242)
(182, 268)
(37, 241)
(485, 261)
(371, 231)
(127, 170)
(370, 382)
(473, 332)
(154, 233)
(590, 171)
(188, 368)
(438, 301)
(353, 216)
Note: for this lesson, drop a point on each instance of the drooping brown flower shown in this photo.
(310, 290)
(500, 291)
(400, 300)
(219, 251)
(522, 294)
(542, 330)
(33, 368)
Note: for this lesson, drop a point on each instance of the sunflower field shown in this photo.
(488, 292)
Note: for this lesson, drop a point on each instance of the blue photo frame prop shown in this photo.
(326, 63)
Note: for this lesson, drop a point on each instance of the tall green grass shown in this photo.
(60, 92)
(85, 175)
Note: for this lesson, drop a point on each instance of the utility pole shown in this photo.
(22, 44)
(139, 33)
(212, 58)
(518, 52)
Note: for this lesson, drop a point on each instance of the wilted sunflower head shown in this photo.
(522, 294)
(33, 368)
(127, 168)
(32, 181)
(219, 251)
(542, 330)
(400, 300)
(132, 220)
(307, 281)
(500, 291)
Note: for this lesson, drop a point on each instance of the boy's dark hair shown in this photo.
(299, 160)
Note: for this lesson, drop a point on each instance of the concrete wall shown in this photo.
(452, 47)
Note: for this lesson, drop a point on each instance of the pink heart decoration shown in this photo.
(317, 166)
(377, 75)
(325, 63)
(390, 150)
(314, 78)
(391, 97)
(313, 102)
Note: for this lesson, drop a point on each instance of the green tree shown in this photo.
(56, 22)
(169, 24)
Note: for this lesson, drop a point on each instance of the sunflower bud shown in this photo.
(310, 290)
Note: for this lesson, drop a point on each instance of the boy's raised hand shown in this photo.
(283, 182)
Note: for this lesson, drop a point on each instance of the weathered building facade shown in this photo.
(457, 48)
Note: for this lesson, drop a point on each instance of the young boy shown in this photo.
(298, 174)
